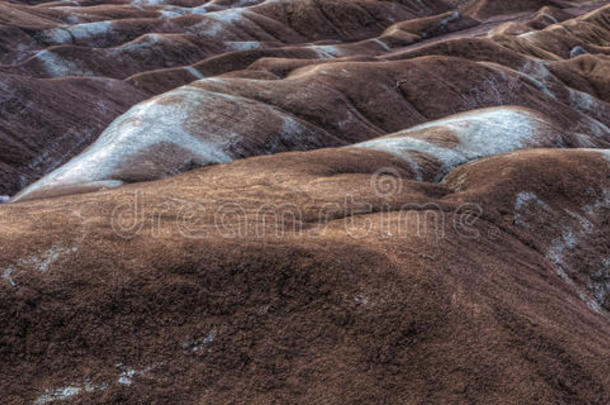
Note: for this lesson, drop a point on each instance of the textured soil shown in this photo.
(305, 201)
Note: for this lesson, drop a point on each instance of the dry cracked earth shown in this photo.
(304, 201)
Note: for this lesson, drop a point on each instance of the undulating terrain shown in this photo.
(304, 201)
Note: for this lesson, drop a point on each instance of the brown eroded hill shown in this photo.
(264, 51)
(321, 201)
(295, 277)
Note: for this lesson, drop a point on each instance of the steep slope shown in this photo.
(189, 128)
(42, 125)
(158, 47)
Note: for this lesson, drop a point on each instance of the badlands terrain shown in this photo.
(304, 201)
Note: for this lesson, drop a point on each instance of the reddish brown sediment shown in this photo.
(325, 305)
(316, 201)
